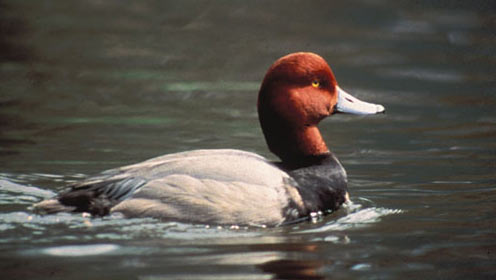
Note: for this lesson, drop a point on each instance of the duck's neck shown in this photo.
(295, 145)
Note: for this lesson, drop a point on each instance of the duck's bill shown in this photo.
(352, 105)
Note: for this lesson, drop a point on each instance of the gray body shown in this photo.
(203, 186)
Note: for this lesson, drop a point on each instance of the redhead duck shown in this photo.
(234, 187)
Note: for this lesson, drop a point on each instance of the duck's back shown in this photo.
(205, 186)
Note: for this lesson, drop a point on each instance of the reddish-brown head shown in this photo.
(298, 91)
(300, 88)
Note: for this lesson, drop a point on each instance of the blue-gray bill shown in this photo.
(352, 105)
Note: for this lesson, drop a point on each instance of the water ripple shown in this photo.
(357, 217)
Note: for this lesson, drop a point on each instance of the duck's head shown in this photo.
(298, 91)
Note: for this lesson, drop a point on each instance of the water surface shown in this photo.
(91, 85)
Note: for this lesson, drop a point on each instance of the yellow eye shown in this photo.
(315, 84)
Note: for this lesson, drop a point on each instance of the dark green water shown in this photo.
(90, 85)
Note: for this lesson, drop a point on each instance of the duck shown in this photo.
(235, 187)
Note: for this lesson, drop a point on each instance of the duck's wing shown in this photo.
(205, 186)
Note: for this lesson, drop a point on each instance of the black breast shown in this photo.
(322, 182)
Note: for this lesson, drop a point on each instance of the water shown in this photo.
(92, 85)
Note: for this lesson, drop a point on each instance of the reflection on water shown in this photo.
(294, 269)
(92, 85)
(79, 251)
